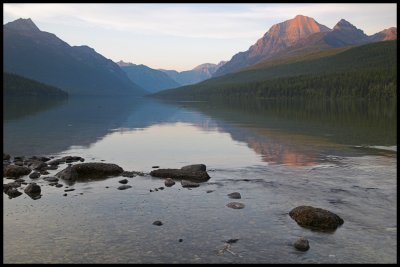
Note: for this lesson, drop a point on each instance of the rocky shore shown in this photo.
(20, 168)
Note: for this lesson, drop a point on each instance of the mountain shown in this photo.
(16, 85)
(198, 74)
(364, 71)
(150, 79)
(385, 35)
(285, 39)
(44, 57)
(279, 37)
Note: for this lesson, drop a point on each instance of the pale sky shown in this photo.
(182, 36)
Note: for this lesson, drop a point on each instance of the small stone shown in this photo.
(65, 195)
(155, 167)
(123, 187)
(209, 191)
(44, 172)
(151, 190)
(158, 223)
(59, 185)
(155, 189)
(107, 187)
(34, 175)
(235, 195)
(235, 205)
(169, 182)
(180, 240)
(124, 181)
(161, 188)
(302, 244)
(68, 190)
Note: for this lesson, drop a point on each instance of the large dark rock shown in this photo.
(92, 170)
(315, 218)
(194, 168)
(15, 171)
(32, 189)
(196, 176)
(6, 156)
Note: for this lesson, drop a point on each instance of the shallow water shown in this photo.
(276, 157)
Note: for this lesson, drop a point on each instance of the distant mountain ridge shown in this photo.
(150, 79)
(197, 74)
(298, 35)
(44, 57)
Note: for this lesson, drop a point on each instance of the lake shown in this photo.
(340, 156)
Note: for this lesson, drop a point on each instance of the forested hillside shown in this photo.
(367, 71)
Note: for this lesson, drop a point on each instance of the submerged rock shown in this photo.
(92, 170)
(123, 187)
(185, 183)
(16, 171)
(50, 179)
(315, 218)
(235, 195)
(169, 182)
(235, 205)
(302, 244)
(187, 174)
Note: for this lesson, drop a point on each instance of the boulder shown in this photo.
(315, 218)
(32, 189)
(194, 168)
(196, 176)
(302, 244)
(185, 183)
(92, 170)
(6, 156)
(16, 171)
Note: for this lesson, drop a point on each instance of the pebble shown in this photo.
(158, 223)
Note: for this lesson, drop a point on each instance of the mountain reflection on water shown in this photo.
(294, 133)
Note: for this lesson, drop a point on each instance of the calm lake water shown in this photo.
(278, 155)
